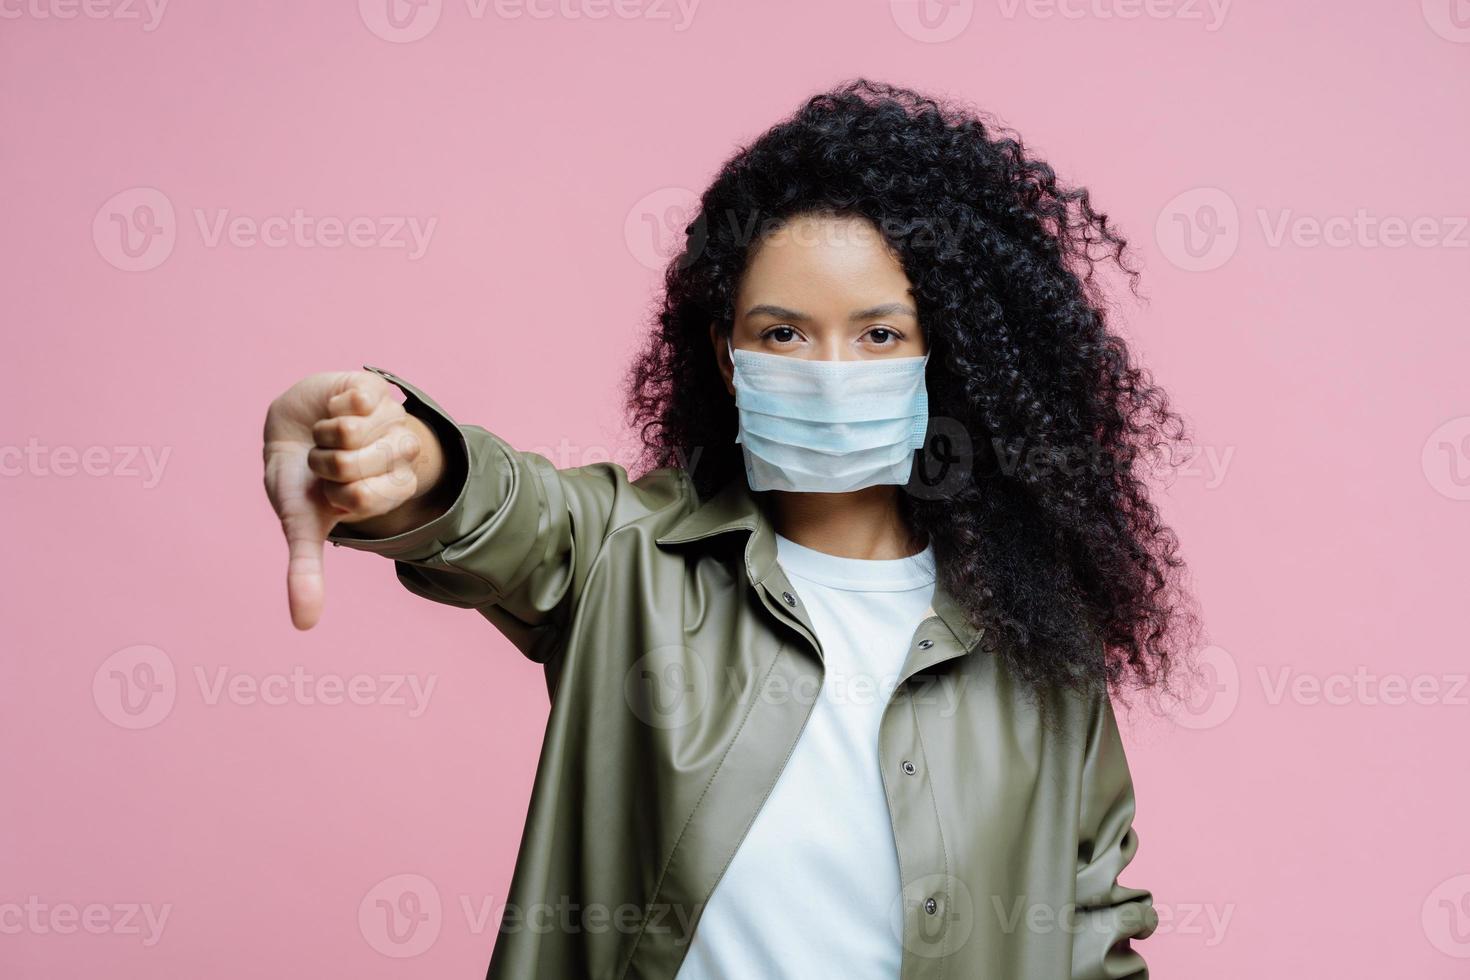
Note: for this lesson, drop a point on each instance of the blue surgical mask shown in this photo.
(828, 426)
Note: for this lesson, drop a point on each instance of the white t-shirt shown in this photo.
(813, 889)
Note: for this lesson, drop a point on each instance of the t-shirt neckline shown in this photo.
(856, 574)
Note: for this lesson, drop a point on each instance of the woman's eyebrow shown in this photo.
(872, 313)
(887, 309)
(780, 312)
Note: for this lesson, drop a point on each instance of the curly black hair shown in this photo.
(1048, 539)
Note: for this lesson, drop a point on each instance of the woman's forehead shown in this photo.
(825, 266)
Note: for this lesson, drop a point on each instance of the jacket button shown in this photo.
(925, 644)
(931, 906)
(790, 599)
(909, 768)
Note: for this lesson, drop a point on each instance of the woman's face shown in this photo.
(824, 288)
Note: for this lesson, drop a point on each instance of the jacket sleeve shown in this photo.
(519, 540)
(1109, 915)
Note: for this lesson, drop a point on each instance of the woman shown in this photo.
(830, 679)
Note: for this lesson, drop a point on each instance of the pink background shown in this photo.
(1283, 834)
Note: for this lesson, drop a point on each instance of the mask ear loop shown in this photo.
(729, 347)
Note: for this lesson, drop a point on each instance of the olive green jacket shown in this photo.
(682, 666)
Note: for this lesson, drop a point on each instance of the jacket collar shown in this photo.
(735, 507)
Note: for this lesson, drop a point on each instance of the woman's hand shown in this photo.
(340, 449)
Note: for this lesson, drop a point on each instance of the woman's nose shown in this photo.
(835, 349)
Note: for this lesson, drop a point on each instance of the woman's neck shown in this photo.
(861, 524)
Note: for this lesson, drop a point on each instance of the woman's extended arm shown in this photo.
(468, 520)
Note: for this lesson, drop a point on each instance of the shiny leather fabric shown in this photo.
(682, 665)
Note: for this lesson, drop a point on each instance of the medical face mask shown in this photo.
(828, 426)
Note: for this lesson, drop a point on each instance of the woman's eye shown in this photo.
(782, 335)
(882, 335)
